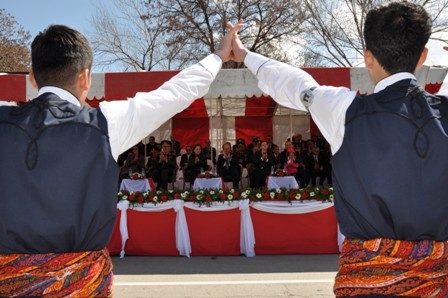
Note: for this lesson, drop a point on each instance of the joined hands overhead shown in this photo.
(231, 47)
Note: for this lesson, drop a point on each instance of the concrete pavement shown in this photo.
(263, 276)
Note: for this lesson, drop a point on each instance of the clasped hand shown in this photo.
(231, 47)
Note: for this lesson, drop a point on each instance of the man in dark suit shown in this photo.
(318, 163)
(227, 165)
(164, 166)
(185, 157)
(175, 146)
(276, 157)
(270, 143)
(262, 161)
(209, 152)
(150, 145)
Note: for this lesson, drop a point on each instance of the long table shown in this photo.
(237, 228)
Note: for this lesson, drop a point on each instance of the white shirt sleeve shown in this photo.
(294, 88)
(129, 121)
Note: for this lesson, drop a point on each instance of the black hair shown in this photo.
(58, 55)
(396, 34)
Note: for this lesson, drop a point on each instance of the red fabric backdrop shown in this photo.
(190, 131)
(13, 87)
(247, 127)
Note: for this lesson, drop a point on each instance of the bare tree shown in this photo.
(125, 37)
(170, 34)
(14, 45)
(334, 29)
(199, 25)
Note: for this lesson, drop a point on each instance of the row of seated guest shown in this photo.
(311, 163)
(175, 145)
(259, 160)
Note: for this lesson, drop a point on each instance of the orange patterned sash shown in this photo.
(393, 267)
(83, 274)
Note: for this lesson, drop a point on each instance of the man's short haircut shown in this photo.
(396, 34)
(58, 55)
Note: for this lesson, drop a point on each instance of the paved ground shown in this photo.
(231, 277)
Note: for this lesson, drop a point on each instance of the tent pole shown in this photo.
(290, 124)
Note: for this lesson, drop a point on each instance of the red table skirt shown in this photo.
(310, 233)
(150, 233)
(214, 232)
(218, 233)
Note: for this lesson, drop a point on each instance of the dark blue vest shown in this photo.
(58, 179)
(391, 172)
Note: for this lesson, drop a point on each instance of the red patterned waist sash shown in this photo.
(80, 274)
(392, 267)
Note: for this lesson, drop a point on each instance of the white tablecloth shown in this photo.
(282, 182)
(135, 185)
(207, 183)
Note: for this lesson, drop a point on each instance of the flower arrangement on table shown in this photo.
(280, 173)
(136, 176)
(209, 196)
(207, 175)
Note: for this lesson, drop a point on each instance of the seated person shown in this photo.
(196, 163)
(317, 161)
(209, 152)
(262, 163)
(164, 166)
(276, 157)
(134, 163)
(152, 160)
(242, 155)
(184, 158)
(228, 166)
(291, 165)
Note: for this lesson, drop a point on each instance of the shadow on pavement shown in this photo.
(135, 265)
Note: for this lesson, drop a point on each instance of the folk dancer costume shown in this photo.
(59, 176)
(389, 173)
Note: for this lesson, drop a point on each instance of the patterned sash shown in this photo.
(393, 267)
(83, 274)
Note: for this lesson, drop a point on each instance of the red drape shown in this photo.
(13, 87)
(247, 127)
(190, 131)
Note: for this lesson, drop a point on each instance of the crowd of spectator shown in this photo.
(309, 161)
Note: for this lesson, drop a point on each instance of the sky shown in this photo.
(36, 15)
